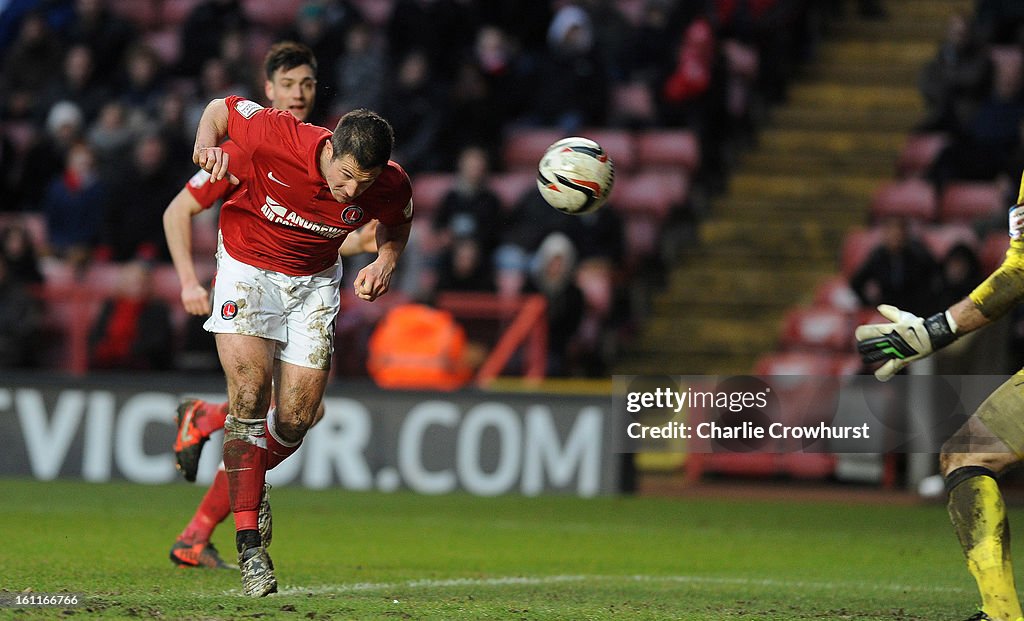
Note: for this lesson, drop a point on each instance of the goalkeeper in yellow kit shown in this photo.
(991, 440)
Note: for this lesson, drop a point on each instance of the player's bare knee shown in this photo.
(291, 429)
(250, 401)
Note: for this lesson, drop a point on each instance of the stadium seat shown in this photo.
(820, 328)
(918, 153)
(836, 293)
(524, 147)
(617, 143)
(274, 15)
(969, 201)
(912, 198)
(857, 245)
(644, 201)
(792, 363)
(101, 279)
(941, 238)
(428, 190)
(58, 276)
(652, 193)
(993, 250)
(668, 149)
(512, 186)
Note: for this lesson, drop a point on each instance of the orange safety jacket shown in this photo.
(418, 347)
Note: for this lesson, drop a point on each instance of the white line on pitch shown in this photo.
(557, 579)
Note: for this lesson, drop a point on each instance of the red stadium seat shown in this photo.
(102, 279)
(857, 245)
(817, 328)
(807, 363)
(836, 293)
(428, 190)
(617, 143)
(645, 201)
(512, 186)
(668, 149)
(919, 152)
(57, 275)
(654, 193)
(524, 147)
(940, 239)
(912, 198)
(968, 201)
(993, 250)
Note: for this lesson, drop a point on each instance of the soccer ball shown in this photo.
(575, 176)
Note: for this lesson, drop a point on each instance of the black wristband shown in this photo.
(939, 331)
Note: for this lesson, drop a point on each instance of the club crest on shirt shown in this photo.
(247, 108)
(352, 214)
(228, 309)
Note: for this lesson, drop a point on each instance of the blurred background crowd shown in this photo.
(99, 101)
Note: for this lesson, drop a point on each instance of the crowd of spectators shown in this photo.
(973, 90)
(98, 116)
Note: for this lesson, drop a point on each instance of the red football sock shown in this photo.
(214, 508)
(277, 449)
(213, 417)
(245, 460)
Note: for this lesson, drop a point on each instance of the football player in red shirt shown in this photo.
(277, 290)
(290, 70)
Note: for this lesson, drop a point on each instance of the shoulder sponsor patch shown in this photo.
(247, 108)
(199, 179)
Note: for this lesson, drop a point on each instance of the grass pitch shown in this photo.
(344, 555)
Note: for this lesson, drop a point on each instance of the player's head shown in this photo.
(290, 70)
(357, 153)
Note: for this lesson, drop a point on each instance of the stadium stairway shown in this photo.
(775, 234)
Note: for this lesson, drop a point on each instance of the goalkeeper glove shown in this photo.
(906, 339)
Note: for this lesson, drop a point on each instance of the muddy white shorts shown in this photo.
(296, 311)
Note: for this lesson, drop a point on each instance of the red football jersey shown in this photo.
(206, 193)
(283, 216)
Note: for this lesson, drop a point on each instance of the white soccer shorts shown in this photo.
(296, 311)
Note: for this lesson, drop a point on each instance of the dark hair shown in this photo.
(366, 136)
(287, 55)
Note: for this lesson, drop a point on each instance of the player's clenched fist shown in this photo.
(215, 161)
(906, 339)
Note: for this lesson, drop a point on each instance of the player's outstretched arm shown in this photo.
(909, 337)
(178, 230)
